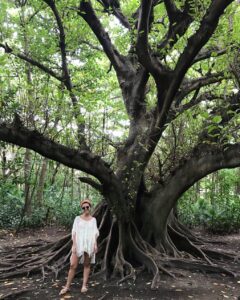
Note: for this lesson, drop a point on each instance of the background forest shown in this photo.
(53, 194)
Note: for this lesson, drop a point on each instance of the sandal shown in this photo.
(64, 290)
(84, 289)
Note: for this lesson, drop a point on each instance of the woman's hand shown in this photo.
(74, 249)
(95, 248)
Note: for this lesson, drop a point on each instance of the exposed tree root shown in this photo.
(103, 219)
(106, 262)
(123, 267)
(217, 255)
(196, 265)
(52, 256)
(184, 244)
(16, 293)
(182, 229)
(147, 248)
(189, 242)
(146, 259)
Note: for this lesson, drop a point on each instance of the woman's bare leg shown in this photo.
(72, 270)
(71, 273)
(86, 271)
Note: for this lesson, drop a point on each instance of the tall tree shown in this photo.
(171, 62)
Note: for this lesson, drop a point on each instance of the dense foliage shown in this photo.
(60, 197)
(56, 209)
(213, 203)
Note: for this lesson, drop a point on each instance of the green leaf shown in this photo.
(217, 119)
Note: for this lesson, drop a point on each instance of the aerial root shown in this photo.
(105, 266)
(186, 245)
(129, 270)
(104, 218)
(146, 260)
(148, 249)
(122, 266)
(179, 227)
(144, 246)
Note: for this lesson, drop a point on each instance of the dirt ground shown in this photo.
(186, 285)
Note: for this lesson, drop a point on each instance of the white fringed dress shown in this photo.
(86, 232)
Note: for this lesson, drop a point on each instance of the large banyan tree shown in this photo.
(175, 62)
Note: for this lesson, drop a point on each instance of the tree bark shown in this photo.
(159, 203)
(237, 188)
(41, 181)
(4, 162)
(27, 177)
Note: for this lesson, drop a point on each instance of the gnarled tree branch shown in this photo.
(194, 45)
(203, 160)
(179, 23)
(66, 75)
(207, 53)
(196, 100)
(17, 134)
(172, 10)
(86, 11)
(32, 61)
(92, 182)
(196, 84)
(113, 6)
(142, 45)
(62, 42)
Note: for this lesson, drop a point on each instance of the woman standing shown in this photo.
(84, 247)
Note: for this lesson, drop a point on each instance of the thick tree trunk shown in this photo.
(164, 197)
(237, 187)
(41, 181)
(63, 187)
(55, 171)
(4, 162)
(27, 159)
(27, 175)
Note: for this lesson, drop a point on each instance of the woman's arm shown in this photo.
(96, 236)
(74, 245)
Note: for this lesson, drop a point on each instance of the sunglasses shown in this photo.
(85, 207)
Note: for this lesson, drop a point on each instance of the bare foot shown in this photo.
(64, 290)
(84, 289)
